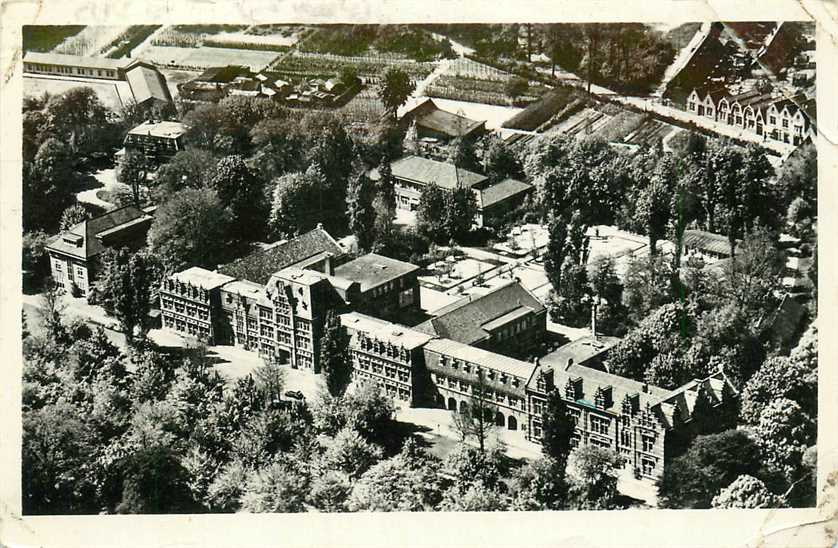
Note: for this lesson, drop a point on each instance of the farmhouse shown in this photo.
(75, 252)
(433, 122)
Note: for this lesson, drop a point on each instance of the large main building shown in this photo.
(471, 347)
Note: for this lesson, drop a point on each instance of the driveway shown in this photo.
(107, 177)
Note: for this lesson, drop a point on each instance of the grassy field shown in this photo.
(112, 94)
(44, 38)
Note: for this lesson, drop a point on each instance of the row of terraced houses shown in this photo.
(763, 113)
(275, 302)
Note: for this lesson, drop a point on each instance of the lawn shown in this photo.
(44, 38)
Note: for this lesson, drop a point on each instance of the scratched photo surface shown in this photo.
(297, 268)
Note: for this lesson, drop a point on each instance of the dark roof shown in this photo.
(706, 241)
(372, 270)
(500, 191)
(223, 75)
(425, 171)
(427, 114)
(85, 233)
(147, 84)
(259, 266)
(466, 321)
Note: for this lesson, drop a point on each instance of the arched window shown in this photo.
(500, 420)
(513, 423)
(452, 404)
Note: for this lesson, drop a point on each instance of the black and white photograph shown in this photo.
(291, 267)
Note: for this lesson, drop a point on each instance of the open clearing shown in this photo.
(112, 94)
(204, 57)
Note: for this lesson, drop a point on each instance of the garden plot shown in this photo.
(91, 41)
(370, 68)
(583, 123)
(204, 57)
(467, 80)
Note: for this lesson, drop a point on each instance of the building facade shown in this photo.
(157, 141)
(458, 371)
(388, 288)
(74, 254)
(646, 425)
(386, 354)
(190, 302)
(58, 64)
(762, 113)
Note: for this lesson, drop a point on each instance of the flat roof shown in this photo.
(579, 350)
(394, 333)
(202, 277)
(372, 270)
(481, 357)
(75, 60)
(167, 129)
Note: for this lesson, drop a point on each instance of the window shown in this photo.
(648, 442)
(648, 466)
(772, 120)
(625, 438)
(600, 424)
(538, 407)
(599, 442)
(785, 123)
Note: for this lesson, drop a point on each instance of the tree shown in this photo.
(57, 451)
(557, 426)
(371, 414)
(430, 215)
(515, 87)
(334, 355)
(133, 171)
(47, 187)
(77, 117)
(330, 491)
(460, 210)
(51, 311)
(125, 287)
(205, 123)
(359, 201)
(190, 168)
(226, 489)
(710, 463)
(72, 216)
(647, 285)
(407, 482)
(155, 483)
(463, 155)
(746, 492)
(798, 176)
(478, 418)
(499, 162)
(476, 498)
(779, 377)
(35, 258)
(556, 252)
(396, 87)
(654, 208)
(276, 488)
(349, 453)
(594, 479)
(191, 229)
(606, 286)
(243, 194)
(539, 485)
(570, 305)
(784, 432)
(294, 209)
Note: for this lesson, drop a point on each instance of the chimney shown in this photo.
(593, 318)
(645, 388)
(320, 226)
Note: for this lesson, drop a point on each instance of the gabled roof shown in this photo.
(470, 320)
(425, 171)
(147, 84)
(500, 191)
(372, 270)
(428, 114)
(166, 129)
(259, 266)
(87, 235)
(223, 75)
(706, 241)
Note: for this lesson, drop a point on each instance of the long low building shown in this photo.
(59, 64)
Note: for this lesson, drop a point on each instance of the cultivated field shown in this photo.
(91, 41)
(204, 57)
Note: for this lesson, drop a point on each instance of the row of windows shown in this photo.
(467, 388)
(37, 67)
(186, 327)
(512, 330)
(490, 374)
